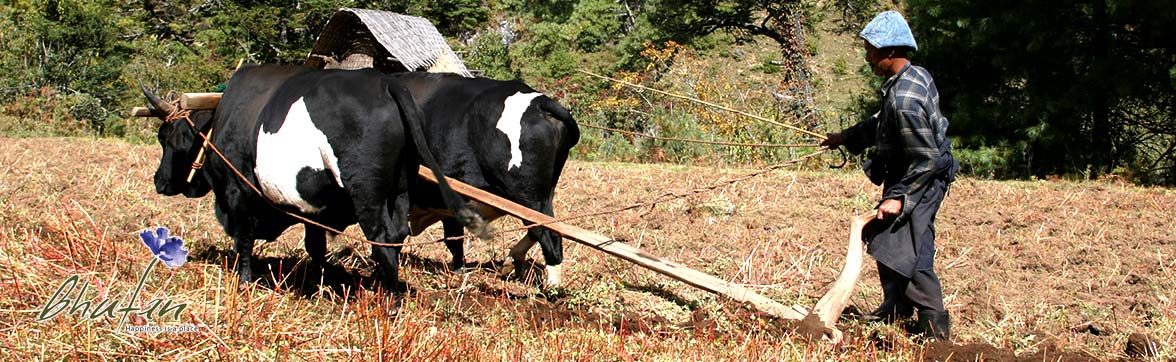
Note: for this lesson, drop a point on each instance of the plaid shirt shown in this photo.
(910, 134)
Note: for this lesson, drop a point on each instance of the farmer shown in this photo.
(912, 161)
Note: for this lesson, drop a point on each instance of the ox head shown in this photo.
(180, 143)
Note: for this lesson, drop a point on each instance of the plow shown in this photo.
(818, 322)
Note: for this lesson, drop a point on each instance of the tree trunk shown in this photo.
(1103, 132)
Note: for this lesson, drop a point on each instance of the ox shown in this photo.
(500, 136)
(331, 146)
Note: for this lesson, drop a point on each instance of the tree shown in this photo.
(782, 21)
(1086, 87)
(69, 50)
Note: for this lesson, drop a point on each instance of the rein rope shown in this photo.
(720, 143)
(671, 196)
(178, 114)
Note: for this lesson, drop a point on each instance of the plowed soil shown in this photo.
(1032, 270)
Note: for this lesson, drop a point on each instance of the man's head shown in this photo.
(887, 61)
(887, 40)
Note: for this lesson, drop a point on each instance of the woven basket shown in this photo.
(389, 42)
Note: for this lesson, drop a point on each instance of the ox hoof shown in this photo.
(461, 268)
(554, 276)
(512, 267)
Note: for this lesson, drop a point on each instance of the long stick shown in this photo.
(696, 100)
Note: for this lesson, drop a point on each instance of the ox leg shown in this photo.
(453, 229)
(315, 242)
(552, 247)
(516, 261)
(243, 246)
(393, 228)
(551, 244)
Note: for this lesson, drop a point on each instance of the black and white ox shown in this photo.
(499, 136)
(337, 147)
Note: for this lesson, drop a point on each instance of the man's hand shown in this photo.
(889, 208)
(833, 140)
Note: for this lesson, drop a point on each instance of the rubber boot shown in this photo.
(933, 324)
(889, 312)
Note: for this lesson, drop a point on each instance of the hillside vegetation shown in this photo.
(1089, 92)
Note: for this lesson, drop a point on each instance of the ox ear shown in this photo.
(156, 105)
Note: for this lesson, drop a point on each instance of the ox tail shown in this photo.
(571, 132)
(413, 116)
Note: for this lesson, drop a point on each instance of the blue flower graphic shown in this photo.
(168, 249)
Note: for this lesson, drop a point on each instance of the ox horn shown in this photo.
(156, 102)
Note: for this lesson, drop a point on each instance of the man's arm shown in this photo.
(856, 138)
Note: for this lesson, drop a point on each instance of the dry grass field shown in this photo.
(1041, 270)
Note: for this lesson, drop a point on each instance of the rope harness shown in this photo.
(197, 164)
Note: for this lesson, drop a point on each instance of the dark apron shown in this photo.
(907, 244)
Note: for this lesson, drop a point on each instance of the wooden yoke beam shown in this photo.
(200, 100)
(187, 101)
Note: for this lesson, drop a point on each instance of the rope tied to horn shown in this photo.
(177, 113)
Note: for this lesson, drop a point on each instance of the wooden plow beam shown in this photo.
(826, 312)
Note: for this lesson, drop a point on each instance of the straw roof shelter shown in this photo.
(389, 42)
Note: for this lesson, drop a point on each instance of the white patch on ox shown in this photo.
(511, 123)
(298, 144)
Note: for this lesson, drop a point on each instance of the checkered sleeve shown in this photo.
(861, 135)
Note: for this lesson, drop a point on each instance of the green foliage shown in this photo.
(854, 13)
(1087, 91)
(1089, 87)
(770, 66)
(85, 59)
(268, 31)
(69, 54)
(593, 23)
(986, 162)
(454, 17)
(491, 56)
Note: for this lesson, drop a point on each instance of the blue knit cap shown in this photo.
(889, 29)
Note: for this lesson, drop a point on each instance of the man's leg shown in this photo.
(926, 294)
(896, 305)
